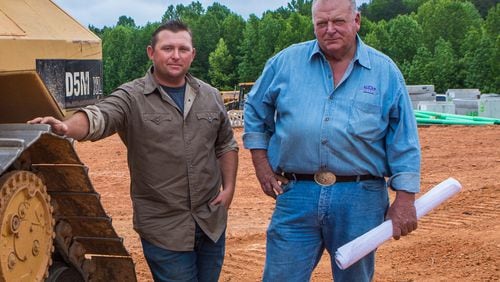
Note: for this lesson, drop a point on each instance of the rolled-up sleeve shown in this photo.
(96, 122)
(107, 117)
(402, 145)
(259, 111)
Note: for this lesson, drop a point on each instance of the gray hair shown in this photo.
(353, 6)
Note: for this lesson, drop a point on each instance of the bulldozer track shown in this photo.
(84, 238)
(26, 227)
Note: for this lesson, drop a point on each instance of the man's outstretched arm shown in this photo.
(76, 127)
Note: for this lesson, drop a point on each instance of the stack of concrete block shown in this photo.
(421, 93)
(438, 107)
(467, 107)
(466, 101)
(467, 93)
(489, 105)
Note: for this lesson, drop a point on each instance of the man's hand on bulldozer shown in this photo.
(57, 126)
(76, 126)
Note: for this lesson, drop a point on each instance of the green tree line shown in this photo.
(448, 43)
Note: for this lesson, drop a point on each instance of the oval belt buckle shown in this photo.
(325, 178)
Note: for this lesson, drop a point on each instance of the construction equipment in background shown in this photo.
(229, 96)
(234, 103)
(235, 100)
(53, 226)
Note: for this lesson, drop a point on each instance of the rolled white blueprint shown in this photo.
(353, 251)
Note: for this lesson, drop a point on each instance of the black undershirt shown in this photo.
(177, 94)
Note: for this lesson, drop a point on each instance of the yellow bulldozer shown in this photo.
(234, 102)
(53, 226)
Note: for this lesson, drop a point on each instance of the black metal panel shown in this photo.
(73, 83)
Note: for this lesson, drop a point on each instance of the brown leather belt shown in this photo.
(327, 178)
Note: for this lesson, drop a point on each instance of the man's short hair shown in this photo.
(173, 26)
(353, 6)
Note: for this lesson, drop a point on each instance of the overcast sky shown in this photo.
(101, 13)
(106, 12)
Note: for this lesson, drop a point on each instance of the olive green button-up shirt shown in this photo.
(172, 157)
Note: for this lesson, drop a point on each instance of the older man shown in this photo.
(326, 122)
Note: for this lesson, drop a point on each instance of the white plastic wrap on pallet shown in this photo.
(468, 107)
(419, 89)
(463, 93)
(489, 106)
(438, 107)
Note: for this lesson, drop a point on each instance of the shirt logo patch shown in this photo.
(369, 89)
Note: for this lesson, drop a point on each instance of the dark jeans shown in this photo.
(203, 264)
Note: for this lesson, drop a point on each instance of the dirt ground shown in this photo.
(458, 241)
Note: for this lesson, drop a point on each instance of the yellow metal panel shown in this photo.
(246, 84)
(42, 19)
(22, 54)
(39, 29)
(9, 27)
(24, 97)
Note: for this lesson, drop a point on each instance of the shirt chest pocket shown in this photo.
(208, 118)
(366, 121)
(156, 118)
(207, 127)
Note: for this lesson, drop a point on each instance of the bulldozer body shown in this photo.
(53, 226)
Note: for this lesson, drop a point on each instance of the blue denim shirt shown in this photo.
(363, 125)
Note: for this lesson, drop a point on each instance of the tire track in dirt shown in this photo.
(468, 250)
(246, 255)
(470, 208)
(238, 262)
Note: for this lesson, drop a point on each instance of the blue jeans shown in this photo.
(203, 264)
(309, 218)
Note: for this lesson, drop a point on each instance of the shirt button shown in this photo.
(324, 141)
(327, 119)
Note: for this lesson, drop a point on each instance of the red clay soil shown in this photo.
(458, 241)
